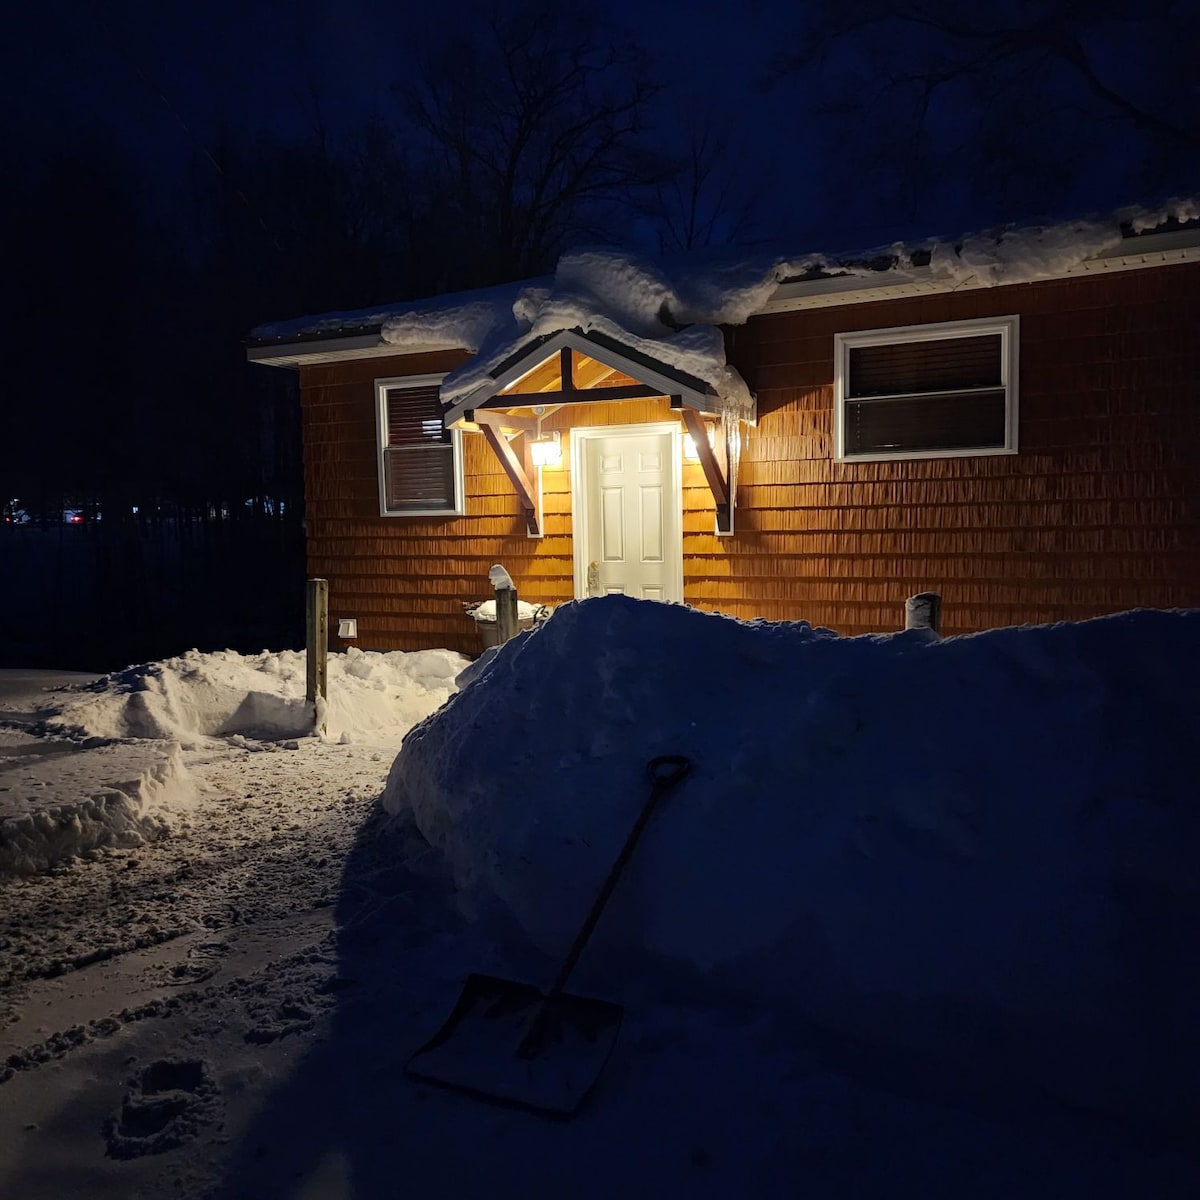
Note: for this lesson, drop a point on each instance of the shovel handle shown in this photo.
(664, 773)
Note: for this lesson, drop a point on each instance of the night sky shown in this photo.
(176, 174)
(162, 78)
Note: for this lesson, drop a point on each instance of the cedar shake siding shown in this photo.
(1098, 512)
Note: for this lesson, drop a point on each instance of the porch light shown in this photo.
(546, 449)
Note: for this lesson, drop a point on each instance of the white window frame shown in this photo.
(1007, 327)
(382, 387)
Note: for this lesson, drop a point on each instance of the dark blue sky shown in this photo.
(159, 79)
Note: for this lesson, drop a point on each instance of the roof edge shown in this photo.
(306, 352)
(1134, 253)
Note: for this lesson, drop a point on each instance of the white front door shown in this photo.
(627, 505)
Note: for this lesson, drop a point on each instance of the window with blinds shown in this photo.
(927, 391)
(419, 458)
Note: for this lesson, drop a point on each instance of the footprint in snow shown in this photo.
(167, 1104)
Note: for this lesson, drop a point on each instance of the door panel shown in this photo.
(652, 524)
(612, 524)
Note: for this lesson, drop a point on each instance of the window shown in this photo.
(420, 460)
(926, 391)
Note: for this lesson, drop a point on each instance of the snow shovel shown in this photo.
(511, 1042)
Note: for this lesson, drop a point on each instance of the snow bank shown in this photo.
(107, 797)
(372, 697)
(61, 795)
(979, 851)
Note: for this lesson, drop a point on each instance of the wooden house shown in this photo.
(1011, 420)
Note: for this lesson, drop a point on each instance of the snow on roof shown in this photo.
(452, 321)
(671, 309)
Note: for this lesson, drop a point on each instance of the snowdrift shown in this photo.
(372, 696)
(107, 797)
(978, 852)
(106, 769)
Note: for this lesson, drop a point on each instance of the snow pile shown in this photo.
(106, 797)
(61, 794)
(372, 697)
(979, 852)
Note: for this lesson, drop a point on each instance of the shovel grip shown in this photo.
(664, 773)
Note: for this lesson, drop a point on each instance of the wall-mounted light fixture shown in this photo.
(347, 627)
(546, 449)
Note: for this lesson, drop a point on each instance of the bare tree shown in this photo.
(709, 194)
(533, 120)
(1020, 102)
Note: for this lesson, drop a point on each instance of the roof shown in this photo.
(668, 313)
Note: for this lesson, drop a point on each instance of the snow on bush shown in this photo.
(979, 850)
(372, 696)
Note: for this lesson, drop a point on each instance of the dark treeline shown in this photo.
(98, 595)
(126, 383)
(151, 482)
(133, 273)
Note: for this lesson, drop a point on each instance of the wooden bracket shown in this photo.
(715, 467)
(507, 422)
(519, 472)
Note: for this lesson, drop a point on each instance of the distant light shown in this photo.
(135, 509)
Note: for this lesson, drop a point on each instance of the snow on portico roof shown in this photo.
(671, 309)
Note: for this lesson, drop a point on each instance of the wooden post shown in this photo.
(923, 611)
(316, 637)
(506, 613)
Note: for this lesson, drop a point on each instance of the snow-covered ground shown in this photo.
(901, 875)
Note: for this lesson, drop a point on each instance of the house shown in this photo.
(1011, 419)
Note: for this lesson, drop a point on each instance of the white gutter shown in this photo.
(334, 349)
(1147, 250)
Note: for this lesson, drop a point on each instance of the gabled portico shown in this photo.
(580, 367)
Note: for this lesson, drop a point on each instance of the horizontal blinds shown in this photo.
(419, 478)
(933, 366)
(959, 421)
(414, 417)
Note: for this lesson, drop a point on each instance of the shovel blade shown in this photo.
(506, 1041)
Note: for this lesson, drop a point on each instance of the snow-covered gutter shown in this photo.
(1148, 250)
(652, 302)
